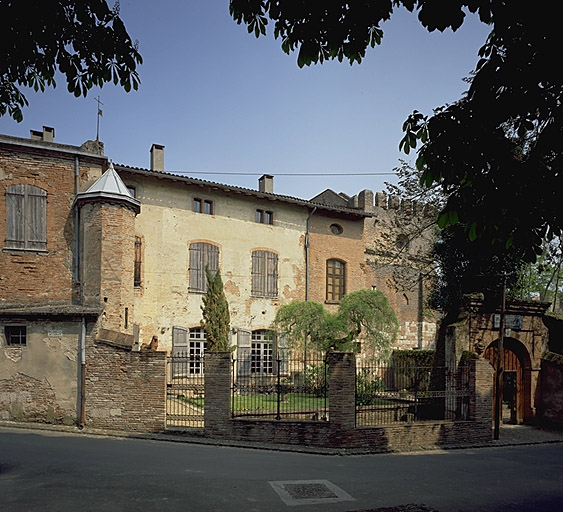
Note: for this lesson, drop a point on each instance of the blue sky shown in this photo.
(222, 101)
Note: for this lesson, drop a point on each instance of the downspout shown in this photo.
(82, 335)
(307, 273)
(82, 414)
(307, 253)
(76, 222)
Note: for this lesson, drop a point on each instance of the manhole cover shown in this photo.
(302, 491)
(309, 492)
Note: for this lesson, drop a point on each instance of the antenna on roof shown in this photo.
(98, 118)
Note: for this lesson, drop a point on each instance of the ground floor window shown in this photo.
(197, 346)
(16, 335)
(261, 354)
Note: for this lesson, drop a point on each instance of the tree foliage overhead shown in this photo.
(467, 268)
(497, 151)
(85, 41)
(362, 315)
(215, 311)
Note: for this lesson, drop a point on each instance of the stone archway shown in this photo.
(517, 392)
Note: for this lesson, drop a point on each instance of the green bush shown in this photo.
(367, 385)
(315, 379)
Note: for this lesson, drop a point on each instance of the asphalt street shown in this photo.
(52, 471)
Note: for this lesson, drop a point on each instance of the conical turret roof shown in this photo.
(109, 186)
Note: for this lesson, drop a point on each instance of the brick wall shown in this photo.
(125, 390)
(551, 409)
(28, 276)
(108, 234)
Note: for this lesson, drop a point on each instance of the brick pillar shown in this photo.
(342, 390)
(481, 394)
(217, 409)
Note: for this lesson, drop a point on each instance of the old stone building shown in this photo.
(94, 251)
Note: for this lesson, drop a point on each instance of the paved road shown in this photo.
(51, 471)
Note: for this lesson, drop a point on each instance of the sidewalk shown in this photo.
(509, 435)
(526, 434)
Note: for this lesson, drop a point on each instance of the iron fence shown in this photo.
(391, 393)
(185, 390)
(283, 388)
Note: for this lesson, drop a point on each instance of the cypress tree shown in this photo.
(216, 318)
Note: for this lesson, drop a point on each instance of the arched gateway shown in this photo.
(525, 341)
(516, 392)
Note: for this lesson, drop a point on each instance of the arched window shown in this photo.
(264, 274)
(202, 254)
(26, 217)
(335, 280)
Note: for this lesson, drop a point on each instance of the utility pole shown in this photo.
(500, 363)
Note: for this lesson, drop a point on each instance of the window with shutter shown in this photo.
(202, 254)
(26, 217)
(264, 274)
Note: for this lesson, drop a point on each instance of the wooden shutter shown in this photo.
(26, 217)
(15, 233)
(201, 255)
(243, 352)
(271, 274)
(258, 273)
(179, 351)
(36, 218)
(211, 259)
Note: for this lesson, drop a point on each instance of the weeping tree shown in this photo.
(362, 315)
(216, 318)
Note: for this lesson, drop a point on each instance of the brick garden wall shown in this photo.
(552, 390)
(125, 390)
(340, 431)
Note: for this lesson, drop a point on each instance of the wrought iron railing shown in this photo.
(185, 390)
(390, 393)
(288, 388)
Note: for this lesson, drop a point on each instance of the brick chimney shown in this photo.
(266, 184)
(157, 157)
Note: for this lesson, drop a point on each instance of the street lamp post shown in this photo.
(499, 380)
